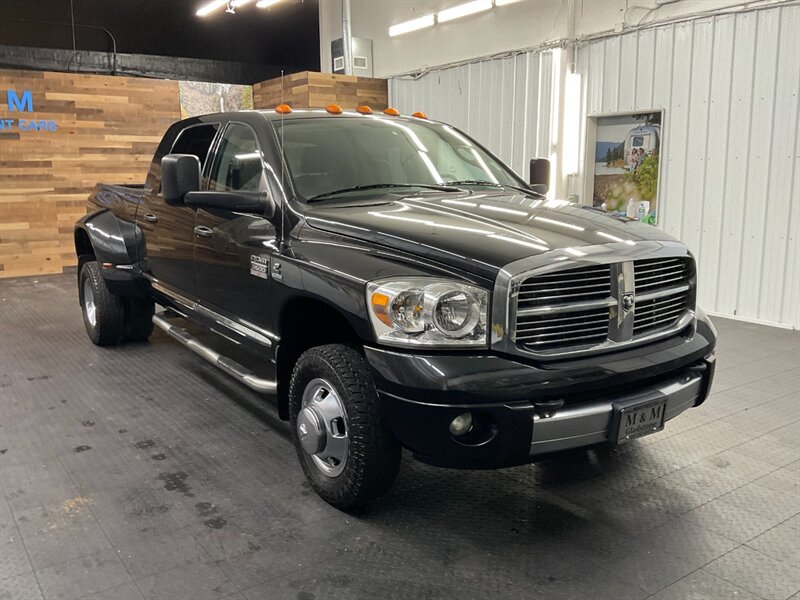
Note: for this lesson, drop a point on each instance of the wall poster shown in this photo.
(627, 151)
(200, 97)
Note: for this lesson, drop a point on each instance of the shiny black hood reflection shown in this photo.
(478, 232)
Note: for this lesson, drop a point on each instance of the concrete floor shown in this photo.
(142, 472)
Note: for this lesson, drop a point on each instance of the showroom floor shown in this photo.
(142, 472)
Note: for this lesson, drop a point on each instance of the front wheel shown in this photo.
(347, 453)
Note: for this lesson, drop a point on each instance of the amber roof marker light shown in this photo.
(420, 115)
(334, 109)
(364, 109)
(392, 112)
(283, 109)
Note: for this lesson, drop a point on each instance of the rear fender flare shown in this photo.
(114, 244)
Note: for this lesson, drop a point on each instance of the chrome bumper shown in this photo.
(587, 424)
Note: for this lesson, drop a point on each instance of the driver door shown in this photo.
(232, 251)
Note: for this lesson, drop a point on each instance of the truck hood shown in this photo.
(476, 232)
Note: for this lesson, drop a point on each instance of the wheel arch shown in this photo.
(303, 323)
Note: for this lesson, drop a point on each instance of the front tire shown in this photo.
(347, 453)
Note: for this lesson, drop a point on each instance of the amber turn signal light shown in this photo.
(392, 112)
(283, 109)
(380, 306)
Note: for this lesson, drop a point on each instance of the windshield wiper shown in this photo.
(375, 186)
(491, 184)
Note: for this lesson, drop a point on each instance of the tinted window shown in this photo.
(331, 154)
(196, 140)
(237, 165)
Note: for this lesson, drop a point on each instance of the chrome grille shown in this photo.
(657, 313)
(602, 306)
(655, 273)
(572, 285)
(541, 333)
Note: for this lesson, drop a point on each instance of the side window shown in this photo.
(196, 140)
(237, 166)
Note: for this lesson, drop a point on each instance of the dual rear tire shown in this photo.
(110, 319)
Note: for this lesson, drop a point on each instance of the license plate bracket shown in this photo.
(636, 418)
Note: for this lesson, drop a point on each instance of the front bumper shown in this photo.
(512, 403)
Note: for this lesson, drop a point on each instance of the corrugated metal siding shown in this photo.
(729, 86)
(504, 103)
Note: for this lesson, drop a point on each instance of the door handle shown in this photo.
(150, 218)
(202, 231)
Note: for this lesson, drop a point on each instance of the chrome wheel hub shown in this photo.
(89, 308)
(322, 427)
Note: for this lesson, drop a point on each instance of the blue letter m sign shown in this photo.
(24, 104)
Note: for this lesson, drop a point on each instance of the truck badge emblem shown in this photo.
(627, 301)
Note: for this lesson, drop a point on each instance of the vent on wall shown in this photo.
(362, 57)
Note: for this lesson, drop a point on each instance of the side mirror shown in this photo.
(540, 175)
(180, 174)
(257, 203)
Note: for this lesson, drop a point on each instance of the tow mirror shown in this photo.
(540, 175)
(180, 174)
(256, 203)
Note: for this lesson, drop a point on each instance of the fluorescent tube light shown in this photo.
(572, 123)
(463, 10)
(412, 25)
(266, 3)
(238, 3)
(504, 2)
(211, 7)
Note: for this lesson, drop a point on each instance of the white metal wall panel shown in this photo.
(504, 103)
(730, 176)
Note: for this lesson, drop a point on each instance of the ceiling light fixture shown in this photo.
(266, 3)
(412, 25)
(211, 7)
(463, 10)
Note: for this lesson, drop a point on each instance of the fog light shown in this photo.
(461, 425)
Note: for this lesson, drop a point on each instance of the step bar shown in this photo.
(231, 367)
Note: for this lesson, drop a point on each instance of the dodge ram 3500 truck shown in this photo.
(395, 285)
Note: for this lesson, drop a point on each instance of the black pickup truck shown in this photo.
(394, 285)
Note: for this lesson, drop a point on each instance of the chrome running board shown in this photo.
(231, 367)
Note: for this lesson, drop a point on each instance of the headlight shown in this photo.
(427, 312)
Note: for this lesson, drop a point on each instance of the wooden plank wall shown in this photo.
(317, 90)
(108, 128)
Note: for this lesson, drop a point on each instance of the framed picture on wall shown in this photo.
(624, 163)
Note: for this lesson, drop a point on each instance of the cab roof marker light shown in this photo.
(283, 109)
(412, 25)
(463, 10)
(391, 111)
(210, 7)
(364, 109)
(334, 109)
(420, 115)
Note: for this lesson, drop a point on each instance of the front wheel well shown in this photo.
(305, 323)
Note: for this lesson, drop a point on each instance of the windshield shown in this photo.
(334, 155)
